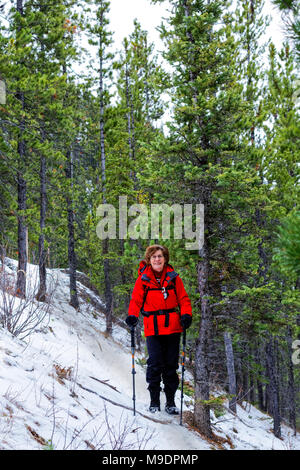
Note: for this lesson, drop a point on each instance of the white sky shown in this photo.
(123, 12)
(276, 28)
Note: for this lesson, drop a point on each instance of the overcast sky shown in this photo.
(123, 12)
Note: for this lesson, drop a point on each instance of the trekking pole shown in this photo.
(182, 372)
(133, 367)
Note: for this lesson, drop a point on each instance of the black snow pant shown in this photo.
(163, 351)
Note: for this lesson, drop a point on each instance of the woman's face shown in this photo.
(157, 261)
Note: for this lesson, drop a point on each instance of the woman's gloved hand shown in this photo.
(186, 320)
(131, 321)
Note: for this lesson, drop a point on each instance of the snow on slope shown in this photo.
(68, 386)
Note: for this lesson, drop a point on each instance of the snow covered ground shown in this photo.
(67, 386)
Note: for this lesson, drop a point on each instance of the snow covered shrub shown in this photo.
(20, 316)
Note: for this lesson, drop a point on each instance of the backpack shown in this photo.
(171, 285)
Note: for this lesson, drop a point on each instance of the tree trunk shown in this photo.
(22, 231)
(202, 365)
(71, 239)
(298, 315)
(273, 387)
(239, 381)
(130, 121)
(245, 375)
(260, 390)
(22, 188)
(291, 383)
(202, 368)
(230, 370)
(128, 106)
(41, 295)
(107, 290)
(106, 266)
(251, 378)
(132, 130)
(245, 396)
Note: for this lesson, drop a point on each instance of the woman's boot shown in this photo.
(154, 401)
(170, 407)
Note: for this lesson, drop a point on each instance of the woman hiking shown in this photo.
(160, 296)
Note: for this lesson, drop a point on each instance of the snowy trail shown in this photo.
(114, 365)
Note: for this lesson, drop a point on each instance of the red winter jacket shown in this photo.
(164, 317)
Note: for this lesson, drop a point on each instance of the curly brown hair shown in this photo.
(150, 250)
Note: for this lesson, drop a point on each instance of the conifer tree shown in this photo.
(51, 48)
(101, 37)
(22, 192)
(42, 84)
(291, 15)
(281, 170)
(204, 143)
(140, 81)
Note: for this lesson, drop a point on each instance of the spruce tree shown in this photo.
(203, 147)
(101, 37)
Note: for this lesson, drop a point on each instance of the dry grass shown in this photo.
(36, 436)
(63, 373)
(215, 440)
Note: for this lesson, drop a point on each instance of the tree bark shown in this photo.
(291, 383)
(127, 92)
(230, 370)
(22, 231)
(41, 295)
(71, 231)
(107, 290)
(298, 315)
(202, 368)
(260, 390)
(106, 264)
(130, 119)
(22, 196)
(273, 388)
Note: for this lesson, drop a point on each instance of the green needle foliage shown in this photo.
(213, 119)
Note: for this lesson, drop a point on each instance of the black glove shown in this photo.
(186, 320)
(131, 321)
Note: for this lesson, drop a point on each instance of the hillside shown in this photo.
(68, 386)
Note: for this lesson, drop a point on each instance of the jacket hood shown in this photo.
(141, 266)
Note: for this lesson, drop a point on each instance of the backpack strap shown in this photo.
(171, 285)
(144, 299)
(172, 278)
(143, 268)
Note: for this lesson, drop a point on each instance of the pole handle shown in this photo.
(132, 337)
